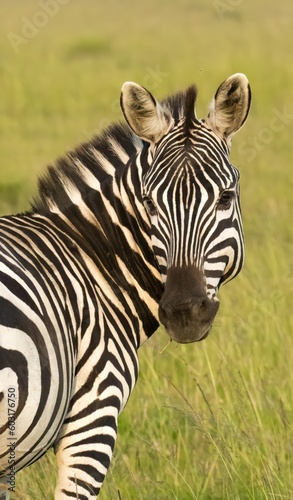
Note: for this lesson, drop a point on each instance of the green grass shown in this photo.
(210, 421)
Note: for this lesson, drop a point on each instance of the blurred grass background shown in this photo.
(210, 421)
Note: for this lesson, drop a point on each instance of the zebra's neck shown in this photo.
(100, 205)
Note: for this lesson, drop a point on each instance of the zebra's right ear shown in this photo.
(230, 106)
(143, 113)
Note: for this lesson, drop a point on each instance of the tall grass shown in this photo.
(211, 420)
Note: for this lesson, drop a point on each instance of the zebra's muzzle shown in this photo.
(185, 310)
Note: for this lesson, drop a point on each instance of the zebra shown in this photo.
(139, 226)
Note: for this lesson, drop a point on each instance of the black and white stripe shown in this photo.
(137, 218)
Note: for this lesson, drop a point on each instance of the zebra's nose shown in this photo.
(189, 320)
(185, 309)
(200, 309)
(171, 307)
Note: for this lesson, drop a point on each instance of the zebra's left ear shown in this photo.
(143, 113)
(230, 106)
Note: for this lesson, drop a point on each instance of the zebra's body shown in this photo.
(82, 274)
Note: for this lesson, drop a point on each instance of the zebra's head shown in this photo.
(191, 193)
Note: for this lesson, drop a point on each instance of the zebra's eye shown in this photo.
(150, 206)
(225, 200)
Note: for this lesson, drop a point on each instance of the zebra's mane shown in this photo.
(182, 105)
(102, 155)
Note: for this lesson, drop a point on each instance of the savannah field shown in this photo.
(207, 421)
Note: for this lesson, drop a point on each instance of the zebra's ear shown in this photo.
(230, 106)
(143, 113)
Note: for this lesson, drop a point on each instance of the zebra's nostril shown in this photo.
(207, 310)
(200, 310)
